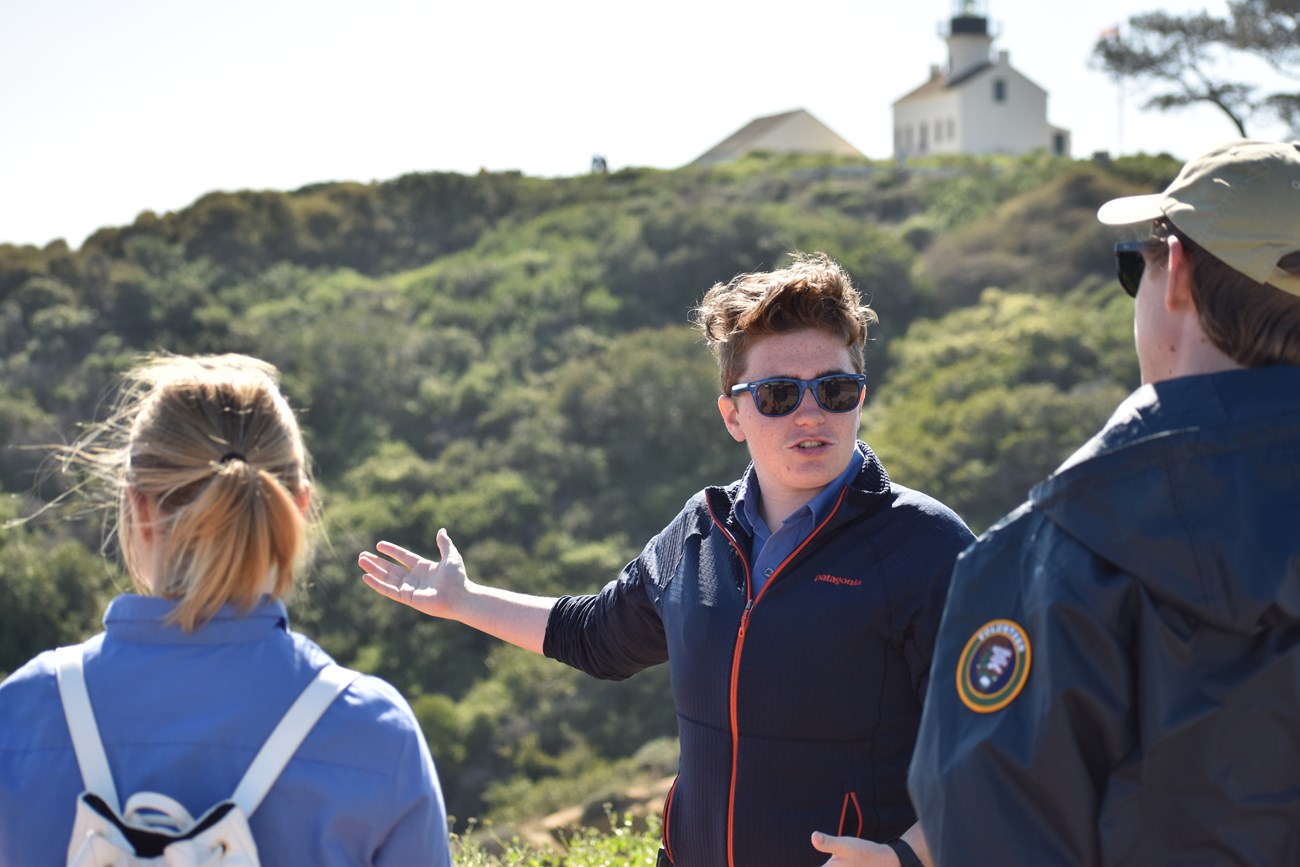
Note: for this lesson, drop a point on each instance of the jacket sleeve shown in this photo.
(1023, 783)
(619, 631)
(612, 634)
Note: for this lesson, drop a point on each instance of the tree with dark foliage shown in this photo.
(1191, 57)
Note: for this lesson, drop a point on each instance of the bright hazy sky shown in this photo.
(113, 107)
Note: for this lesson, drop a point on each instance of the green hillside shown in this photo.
(508, 357)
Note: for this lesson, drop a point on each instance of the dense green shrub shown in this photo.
(509, 358)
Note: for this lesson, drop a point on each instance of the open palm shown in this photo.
(429, 586)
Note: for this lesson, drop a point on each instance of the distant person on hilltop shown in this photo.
(796, 606)
(1117, 677)
(205, 463)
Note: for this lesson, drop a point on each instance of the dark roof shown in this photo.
(942, 82)
(969, 74)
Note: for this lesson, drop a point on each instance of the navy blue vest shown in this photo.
(797, 707)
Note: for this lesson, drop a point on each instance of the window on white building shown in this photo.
(999, 90)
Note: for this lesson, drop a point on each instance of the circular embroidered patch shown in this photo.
(993, 667)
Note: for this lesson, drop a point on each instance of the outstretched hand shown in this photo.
(853, 851)
(432, 587)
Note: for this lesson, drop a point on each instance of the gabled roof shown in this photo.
(764, 134)
(940, 83)
(966, 76)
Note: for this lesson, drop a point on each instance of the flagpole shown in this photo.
(1111, 34)
(1119, 115)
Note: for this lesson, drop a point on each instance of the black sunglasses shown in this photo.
(1130, 263)
(780, 395)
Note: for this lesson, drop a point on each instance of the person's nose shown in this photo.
(808, 410)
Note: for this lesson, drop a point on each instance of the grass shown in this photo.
(626, 841)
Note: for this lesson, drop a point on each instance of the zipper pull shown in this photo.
(744, 618)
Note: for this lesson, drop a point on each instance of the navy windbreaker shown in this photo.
(1154, 581)
(798, 707)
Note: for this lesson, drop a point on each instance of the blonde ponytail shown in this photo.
(235, 541)
(212, 446)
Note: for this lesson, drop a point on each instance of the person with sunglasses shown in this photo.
(1117, 676)
(796, 606)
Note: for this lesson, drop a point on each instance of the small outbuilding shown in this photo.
(791, 132)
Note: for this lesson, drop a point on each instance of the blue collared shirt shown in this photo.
(183, 715)
(770, 549)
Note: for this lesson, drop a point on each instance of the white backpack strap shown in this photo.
(289, 734)
(95, 775)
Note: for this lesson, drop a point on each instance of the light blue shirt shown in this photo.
(183, 715)
(770, 549)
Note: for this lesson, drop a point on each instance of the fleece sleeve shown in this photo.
(612, 634)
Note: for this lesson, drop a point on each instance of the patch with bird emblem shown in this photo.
(993, 667)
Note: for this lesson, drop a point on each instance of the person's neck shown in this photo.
(779, 505)
(1206, 358)
(1196, 355)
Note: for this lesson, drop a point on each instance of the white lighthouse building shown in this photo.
(979, 104)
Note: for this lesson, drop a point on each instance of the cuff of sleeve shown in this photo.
(550, 646)
(906, 857)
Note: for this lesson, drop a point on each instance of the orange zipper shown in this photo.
(751, 601)
(668, 806)
(850, 798)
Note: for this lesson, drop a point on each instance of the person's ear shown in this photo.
(302, 499)
(142, 511)
(1178, 289)
(731, 417)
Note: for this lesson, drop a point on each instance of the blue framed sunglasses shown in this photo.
(781, 395)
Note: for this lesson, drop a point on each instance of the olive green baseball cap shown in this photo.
(1240, 201)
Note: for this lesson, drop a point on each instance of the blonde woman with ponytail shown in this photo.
(204, 463)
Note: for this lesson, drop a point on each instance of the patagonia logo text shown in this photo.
(835, 579)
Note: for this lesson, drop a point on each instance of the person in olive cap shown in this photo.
(1117, 674)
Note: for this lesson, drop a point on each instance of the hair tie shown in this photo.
(232, 456)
